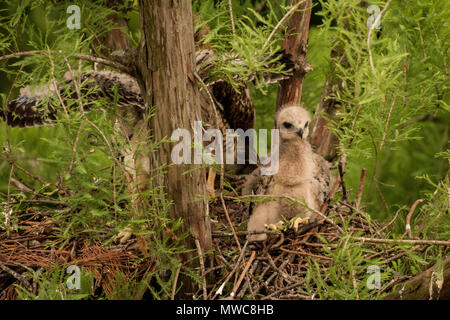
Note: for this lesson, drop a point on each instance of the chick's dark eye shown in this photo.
(287, 125)
(306, 124)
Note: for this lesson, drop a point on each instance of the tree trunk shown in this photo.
(164, 70)
(296, 45)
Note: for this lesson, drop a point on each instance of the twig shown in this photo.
(412, 242)
(440, 50)
(241, 256)
(230, 9)
(395, 257)
(393, 219)
(55, 202)
(247, 284)
(280, 23)
(243, 273)
(37, 178)
(355, 285)
(85, 57)
(360, 188)
(241, 233)
(55, 85)
(341, 167)
(408, 217)
(380, 194)
(405, 82)
(276, 269)
(21, 186)
(8, 208)
(229, 221)
(80, 102)
(74, 149)
(12, 164)
(330, 196)
(222, 167)
(300, 253)
(342, 181)
(421, 41)
(392, 283)
(16, 275)
(5, 109)
(386, 126)
(292, 286)
(202, 266)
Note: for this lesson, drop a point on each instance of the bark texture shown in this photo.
(165, 71)
(296, 45)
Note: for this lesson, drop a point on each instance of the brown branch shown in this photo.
(292, 286)
(74, 149)
(202, 266)
(411, 242)
(21, 186)
(393, 219)
(241, 233)
(295, 45)
(21, 278)
(300, 253)
(236, 265)
(230, 10)
(85, 57)
(431, 284)
(408, 217)
(280, 23)
(243, 273)
(386, 126)
(55, 85)
(440, 50)
(55, 202)
(360, 188)
(341, 169)
(80, 102)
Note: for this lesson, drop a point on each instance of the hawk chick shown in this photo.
(303, 175)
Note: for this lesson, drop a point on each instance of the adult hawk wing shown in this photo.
(234, 106)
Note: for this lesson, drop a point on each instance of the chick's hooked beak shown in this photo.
(300, 133)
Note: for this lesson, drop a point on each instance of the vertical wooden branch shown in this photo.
(165, 67)
(296, 45)
(324, 142)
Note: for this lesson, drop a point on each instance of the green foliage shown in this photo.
(128, 289)
(383, 104)
(51, 285)
(347, 277)
(244, 54)
(433, 221)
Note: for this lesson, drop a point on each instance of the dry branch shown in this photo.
(431, 284)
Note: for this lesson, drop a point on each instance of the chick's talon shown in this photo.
(275, 226)
(123, 236)
(295, 222)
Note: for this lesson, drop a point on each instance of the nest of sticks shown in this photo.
(276, 268)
